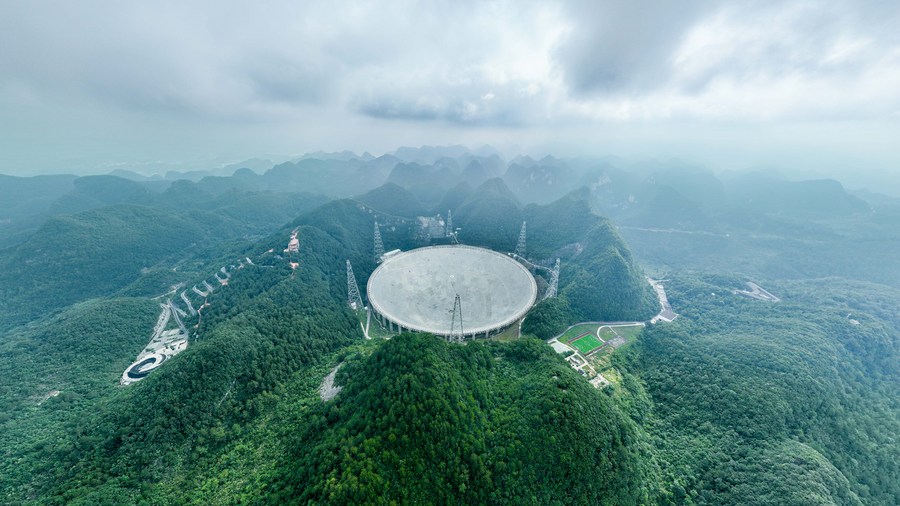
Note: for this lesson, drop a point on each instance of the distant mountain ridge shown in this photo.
(649, 193)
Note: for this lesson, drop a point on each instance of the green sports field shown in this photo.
(577, 330)
(587, 343)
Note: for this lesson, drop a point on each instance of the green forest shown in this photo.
(738, 401)
(759, 403)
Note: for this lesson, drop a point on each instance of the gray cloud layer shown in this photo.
(624, 46)
(77, 77)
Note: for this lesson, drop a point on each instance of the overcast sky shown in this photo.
(86, 85)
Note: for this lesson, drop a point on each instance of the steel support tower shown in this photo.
(554, 282)
(456, 332)
(354, 300)
(520, 247)
(379, 246)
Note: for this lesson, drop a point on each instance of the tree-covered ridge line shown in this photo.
(468, 408)
(658, 195)
(96, 252)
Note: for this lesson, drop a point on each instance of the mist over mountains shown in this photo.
(683, 198)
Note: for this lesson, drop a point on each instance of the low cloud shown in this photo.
(474, 101)
(623, 48)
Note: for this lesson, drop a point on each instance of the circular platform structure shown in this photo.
(142, 367)
(415, 290)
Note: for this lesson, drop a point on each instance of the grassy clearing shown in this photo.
(612, 376)
(607, 333)
(601, 360)
(630, 332)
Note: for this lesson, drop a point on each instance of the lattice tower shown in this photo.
(520, 247)
(456, 331)
(379, 246)
(353, 297)
(554, 282)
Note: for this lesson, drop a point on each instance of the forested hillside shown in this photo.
(267, 326)
(73, 258)
(25, 203)
(599, 277)
(97, 252)
(754, 402)
(424, 421)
